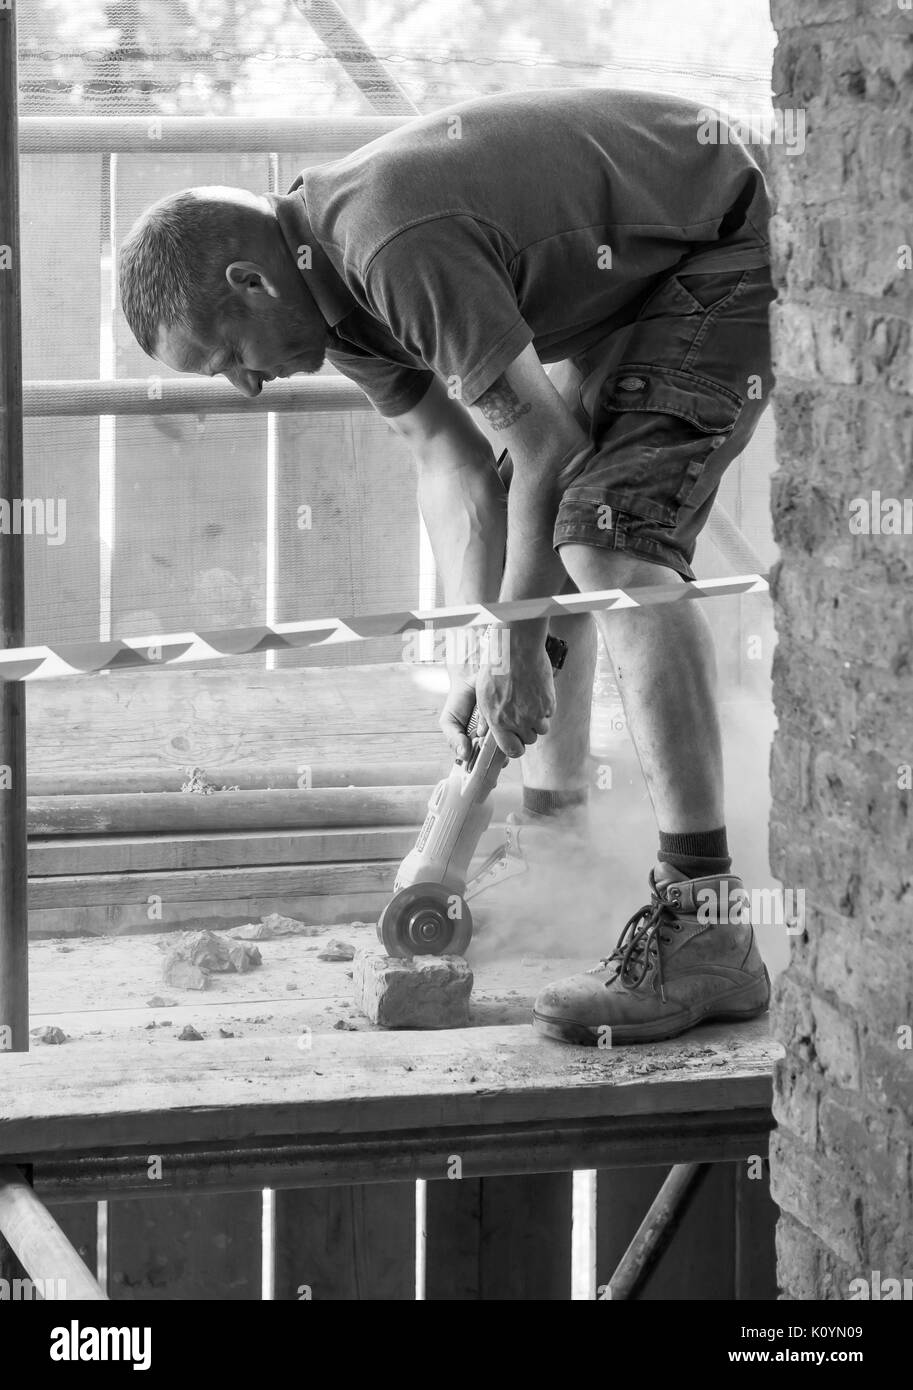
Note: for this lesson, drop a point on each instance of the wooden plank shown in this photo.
(133, 854)
(185, 1247)
(117, 919)
(172, 719)
(61, 300)
(207, 885)
(165, 812)
(96, 989)
(58, 1099)
(346, 1243)
(756, 1215)
(80, 783)
(190, 532)
(505, 1238)
(700, 1260)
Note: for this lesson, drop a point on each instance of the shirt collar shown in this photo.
(331, 294)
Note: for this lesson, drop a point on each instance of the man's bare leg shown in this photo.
(671, 967)
(558, 760)
(665, 666)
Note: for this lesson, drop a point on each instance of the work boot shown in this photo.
(679, 961)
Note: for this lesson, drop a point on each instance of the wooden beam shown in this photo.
(112, 854)
(163, 813)
(93, 1098)
(14, 999)
(387, 1156)
(211, 885)
(172, 719)
(119, 919)
(38, 1242)
(72, 782)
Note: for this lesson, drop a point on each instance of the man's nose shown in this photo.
(248, 383)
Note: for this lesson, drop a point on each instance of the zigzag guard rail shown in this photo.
(174, 648)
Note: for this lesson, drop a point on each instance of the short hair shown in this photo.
(172, 262)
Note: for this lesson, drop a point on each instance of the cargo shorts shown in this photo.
(670, 400)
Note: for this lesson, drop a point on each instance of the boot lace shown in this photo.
(639, 945)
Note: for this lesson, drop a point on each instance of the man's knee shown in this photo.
(597, 567)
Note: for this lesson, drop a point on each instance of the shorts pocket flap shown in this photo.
(708, 406)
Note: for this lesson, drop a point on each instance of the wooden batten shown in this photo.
(163, 813)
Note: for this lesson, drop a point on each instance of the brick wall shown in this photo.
(842, 824)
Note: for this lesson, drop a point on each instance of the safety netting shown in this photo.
(155, 522)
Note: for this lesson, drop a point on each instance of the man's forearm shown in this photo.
(533, 567)
(464, 507)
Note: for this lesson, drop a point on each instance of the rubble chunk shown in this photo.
(424, 992)
(337, 950)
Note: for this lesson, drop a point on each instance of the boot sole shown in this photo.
(589, 1035)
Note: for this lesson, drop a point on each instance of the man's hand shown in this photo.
(517, 703)
(457, 713)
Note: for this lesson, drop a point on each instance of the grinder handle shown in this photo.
(555, 650)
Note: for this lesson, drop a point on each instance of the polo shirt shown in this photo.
(547, 217)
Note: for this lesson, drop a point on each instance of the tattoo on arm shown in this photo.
(501, 405)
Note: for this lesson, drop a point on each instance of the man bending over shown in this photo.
(439, 267)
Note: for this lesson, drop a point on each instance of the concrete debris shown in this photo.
(205, 953)
(189, 1034)
(271, 926)
(244, 958)
(182, 975)
(207, 950)
(337, 950)
(157, 1002)
(200, 785)
(424, 992)
(343, 1024)
(226, 1033)
(50, 1033)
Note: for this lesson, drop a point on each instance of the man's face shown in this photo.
(250, 340)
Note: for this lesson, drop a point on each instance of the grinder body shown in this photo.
(459, 813)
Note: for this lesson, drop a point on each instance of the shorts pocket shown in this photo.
(656, 429)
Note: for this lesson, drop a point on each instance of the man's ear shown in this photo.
(249, 280)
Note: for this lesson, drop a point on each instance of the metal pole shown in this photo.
(657, 1229)
(14, 1002)
(40, 1245)
(14, 980)
(326, 135)
(352, 53)
(154, 395)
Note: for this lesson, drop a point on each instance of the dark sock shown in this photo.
(549, 803)
(697, 853)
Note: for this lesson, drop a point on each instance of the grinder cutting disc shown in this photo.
(425, 919)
